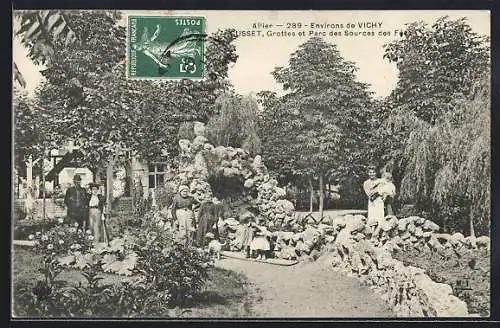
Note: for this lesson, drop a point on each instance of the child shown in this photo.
(245, 233)
(260, 244)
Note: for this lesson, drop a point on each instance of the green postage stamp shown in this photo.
(165, 47)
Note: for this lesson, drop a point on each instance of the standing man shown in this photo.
(77, 200)
(375, 201)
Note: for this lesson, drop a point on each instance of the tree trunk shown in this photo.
(30, 190)
(133, 190)
(109, 185)
(29, 174)
(321, 195)
(43, 185)
(311, 194)
(471, 224)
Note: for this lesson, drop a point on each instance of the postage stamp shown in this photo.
(165, 47)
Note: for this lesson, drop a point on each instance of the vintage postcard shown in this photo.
(251, 164)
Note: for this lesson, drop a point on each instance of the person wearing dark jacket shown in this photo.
(209, 215)
(77, 200)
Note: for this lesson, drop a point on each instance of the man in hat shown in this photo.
(77, 200)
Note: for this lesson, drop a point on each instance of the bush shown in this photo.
(167, 274)
(61, 240)
(186, 131)
(175, 271)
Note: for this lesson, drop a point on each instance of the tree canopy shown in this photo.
(435, 63)
(437, 125)
(89, 99)
(325, 112)
(235, 123)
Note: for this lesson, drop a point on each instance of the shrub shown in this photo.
(167, 274)
(141, 205)
(185, 272)
(186, 131)
(61, 240)
(173, 270)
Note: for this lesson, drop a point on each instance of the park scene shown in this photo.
(157, 198)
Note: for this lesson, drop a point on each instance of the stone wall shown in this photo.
(360, 248)
(363, 249)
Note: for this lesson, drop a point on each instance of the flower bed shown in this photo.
(164, 274)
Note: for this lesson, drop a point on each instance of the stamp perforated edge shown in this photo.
(166, 78)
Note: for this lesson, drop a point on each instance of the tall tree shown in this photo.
(32, 139)
(435, 63)
(438, 116)
(91, 100)
(327, 108)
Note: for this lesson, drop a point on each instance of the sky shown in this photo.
(259, 55)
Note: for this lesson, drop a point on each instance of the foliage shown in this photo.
(163, 197)
(436, 63)
(87, 80)
(186, 131)
(141, 204)
(32, 129)
(166, 274)
(90, 299)
(449, 163)
(175, 271)
(71, 247)
(235, 124)
(61, 240)
(437, 130)
(320, 128)
(278, 135)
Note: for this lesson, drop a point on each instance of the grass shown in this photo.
(468, 265)
(226, 293)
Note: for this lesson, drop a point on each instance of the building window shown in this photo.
(157, 173)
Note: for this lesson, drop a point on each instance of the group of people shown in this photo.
(253, 237)
(194, 229)
(380, 193)
(86, 209)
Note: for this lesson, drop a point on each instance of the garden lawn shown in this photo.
(226, 294)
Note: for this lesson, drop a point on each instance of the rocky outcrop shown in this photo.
(350, 243)
(199, 160)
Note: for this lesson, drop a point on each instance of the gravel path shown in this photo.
(306, 290)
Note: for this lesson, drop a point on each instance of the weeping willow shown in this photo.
(235, 124)
(448, 164)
